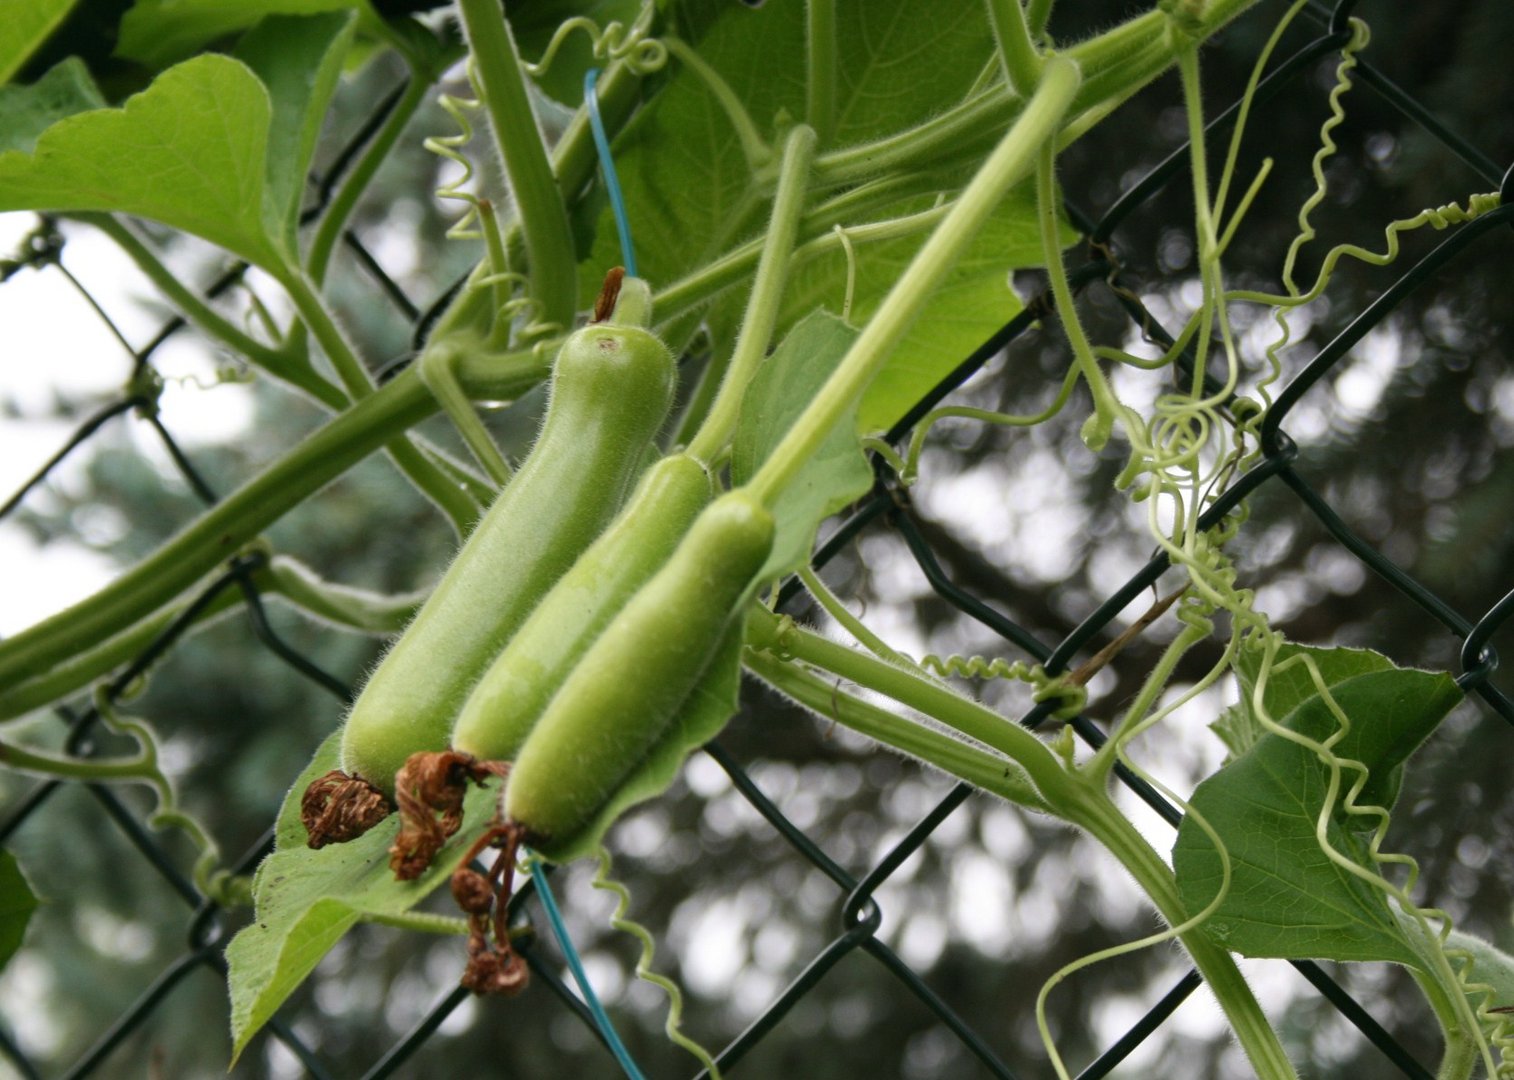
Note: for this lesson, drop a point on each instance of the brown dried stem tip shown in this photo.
(430, 788)
(609, 292)
(337, 808)
(496, 969)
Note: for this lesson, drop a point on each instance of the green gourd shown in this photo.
(511, 696)
(611, 389)
(630, 684)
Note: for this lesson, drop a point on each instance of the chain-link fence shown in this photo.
(1283, 467)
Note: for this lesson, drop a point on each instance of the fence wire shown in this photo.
(207, 927)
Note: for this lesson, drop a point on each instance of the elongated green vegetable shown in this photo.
(611, 389)
(630, 684)
(513, 693)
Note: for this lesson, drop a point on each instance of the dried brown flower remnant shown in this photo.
(609, 292)
(430, 788)
(485, 898)
(337, 808)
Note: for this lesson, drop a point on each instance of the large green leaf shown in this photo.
(306, 900)
(972, 302)
(1287, 898)
(27, 111)
(299, 60)
(158, 32)
(188, 151)
(24, 26)
(17, 902)
(837, 474)
(1285, 691)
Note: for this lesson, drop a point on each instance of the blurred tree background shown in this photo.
(1411, 440)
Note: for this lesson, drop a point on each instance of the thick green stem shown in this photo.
(1036, 15)
(767, 296)
(237, 520)
(1010, 161)
(282, 578)
(334, 220)
(538, 200)
(936, 700)
(820, 63)
(1017, 53)
(1097, 814)
(987, 771)
(429, 479)
(203, 317)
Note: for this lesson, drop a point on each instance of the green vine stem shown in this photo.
(1018, 57)
(427, 477)
(282, 577)
(820, 67)
(1010, 161)
(824, 698)
(236, 521)
(1102, 820)
(756, 151)
(423, 922)
(334, 220)
(767, 294)
(281, 363)
(1037, 12)
(539, 202)
(909, 687)
(1079, 799)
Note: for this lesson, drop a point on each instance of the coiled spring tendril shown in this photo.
(620, 921)
(616, 41)
(450, 147)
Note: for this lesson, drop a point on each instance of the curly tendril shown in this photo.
(616, 41)
(619, 921)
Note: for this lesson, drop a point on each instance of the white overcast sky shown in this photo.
(53, 342)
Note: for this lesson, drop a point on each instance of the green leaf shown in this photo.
(1287, 898)
(973, 301)
(1286, 690)
(27, 111)
(306, 900)
(299, 60)
(159, 32)
(713, 702)
(188, 151)
(24, 26)
(837, 474)
(17, 902)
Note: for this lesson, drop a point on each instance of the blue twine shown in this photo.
(607, 165)
(575, 965)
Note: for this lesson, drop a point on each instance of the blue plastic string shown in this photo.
(607, 166)
(575, 965)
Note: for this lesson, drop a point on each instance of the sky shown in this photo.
(56, 346)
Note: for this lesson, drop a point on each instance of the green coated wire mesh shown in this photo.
(853, 891)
